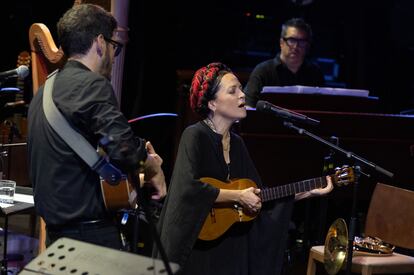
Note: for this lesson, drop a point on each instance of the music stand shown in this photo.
(67, 256)
(23, 200)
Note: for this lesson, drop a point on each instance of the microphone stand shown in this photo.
(357, 171)
(143, 200)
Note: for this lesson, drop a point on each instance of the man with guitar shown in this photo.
(67, 191)
(210, 149)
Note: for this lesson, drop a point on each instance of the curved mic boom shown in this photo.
(267, 107)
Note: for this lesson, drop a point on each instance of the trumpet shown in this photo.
(336, 247)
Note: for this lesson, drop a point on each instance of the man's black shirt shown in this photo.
(66, 189)
(273, 72)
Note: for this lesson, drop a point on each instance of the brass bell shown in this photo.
(336, 247)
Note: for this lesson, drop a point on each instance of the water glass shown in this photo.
(7, 188)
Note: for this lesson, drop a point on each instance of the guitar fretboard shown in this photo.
(282, 191)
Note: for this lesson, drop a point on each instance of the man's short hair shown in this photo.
(298, 23)
(80, 25)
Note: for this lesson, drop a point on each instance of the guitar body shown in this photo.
(120, 196)
(221, 218)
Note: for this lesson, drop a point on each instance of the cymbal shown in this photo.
(336, 246)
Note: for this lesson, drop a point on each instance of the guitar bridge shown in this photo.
(239, 210)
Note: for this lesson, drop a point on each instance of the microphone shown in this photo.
(267, 107)
(21, 72)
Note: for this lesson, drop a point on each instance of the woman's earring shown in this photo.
(99, 51)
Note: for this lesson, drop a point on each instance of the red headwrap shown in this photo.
(203, 80)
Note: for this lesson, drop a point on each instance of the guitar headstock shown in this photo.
(343, 176)
(24, 58)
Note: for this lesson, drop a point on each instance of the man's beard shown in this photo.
(106, 66)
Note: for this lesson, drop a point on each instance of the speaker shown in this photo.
(69, 256)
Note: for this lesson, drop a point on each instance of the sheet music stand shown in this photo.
(17, 207)
(67, 256)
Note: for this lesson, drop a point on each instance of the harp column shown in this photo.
(119, 9)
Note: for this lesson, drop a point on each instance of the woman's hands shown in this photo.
(316, 192)
(249, 199)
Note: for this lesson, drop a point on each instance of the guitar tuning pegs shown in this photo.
(344, 175)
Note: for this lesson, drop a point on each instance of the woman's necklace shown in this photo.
(225, 143)
(210, 124)
(226, 137)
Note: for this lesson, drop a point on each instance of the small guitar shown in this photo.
(24, 58)
(221, 218)
(118, 192)
(16, 117)
(120, 196)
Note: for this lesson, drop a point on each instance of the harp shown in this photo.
(46, 57)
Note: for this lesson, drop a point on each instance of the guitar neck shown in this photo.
(268, 194)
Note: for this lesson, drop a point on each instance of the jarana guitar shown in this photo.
(220, 219)
(19, 117)
(120, 196)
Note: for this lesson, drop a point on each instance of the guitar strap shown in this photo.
(75, 140)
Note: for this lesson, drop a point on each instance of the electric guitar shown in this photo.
(222, 217)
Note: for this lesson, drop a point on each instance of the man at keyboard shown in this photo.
(289, 67)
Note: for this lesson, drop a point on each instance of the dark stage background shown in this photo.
(370, 42)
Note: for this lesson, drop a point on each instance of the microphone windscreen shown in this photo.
(22, 71)
(262, 105)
